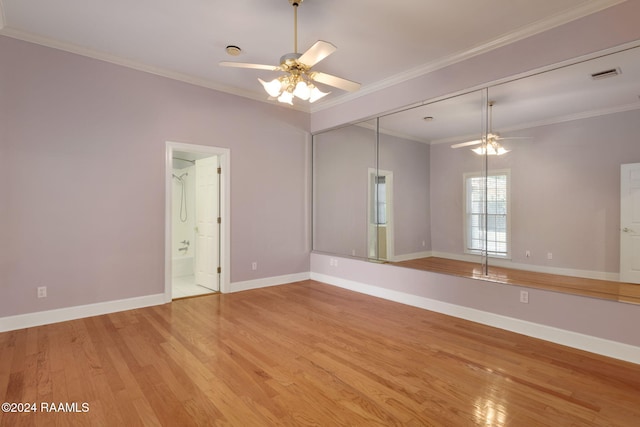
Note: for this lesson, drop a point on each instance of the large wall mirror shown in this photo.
(538, 175)
(339, 188)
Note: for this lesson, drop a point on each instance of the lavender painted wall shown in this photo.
(82, 152)
(447, 217)
(565, 192)
(341, 161)
(409, 161)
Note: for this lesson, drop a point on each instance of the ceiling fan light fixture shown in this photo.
(273, 88)
(297, 82)
(302, 90)
(490, 150)
(286, 97)
(317, 94)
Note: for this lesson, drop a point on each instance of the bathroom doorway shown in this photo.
(197, 220)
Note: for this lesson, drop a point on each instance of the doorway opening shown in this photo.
(196, 220)
(380, 238)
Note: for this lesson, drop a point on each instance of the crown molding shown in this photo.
(139, 66)
(506, 39)
(519, 34)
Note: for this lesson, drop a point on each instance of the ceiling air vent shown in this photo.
(606, 73)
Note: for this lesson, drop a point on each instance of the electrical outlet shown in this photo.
(42, 292)
(254, 266)
(549, 255)
(333, 262)
(527, 253)
(524, 297)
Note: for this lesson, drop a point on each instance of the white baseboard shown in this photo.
(588, 343)
(268, 281)
(39, 318)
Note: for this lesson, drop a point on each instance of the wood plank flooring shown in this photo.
(306, 354)
(605, 289)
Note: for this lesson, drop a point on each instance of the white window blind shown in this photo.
(487, 230)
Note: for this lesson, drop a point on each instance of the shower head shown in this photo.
(179, 178)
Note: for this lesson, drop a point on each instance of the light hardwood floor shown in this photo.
(306, 354)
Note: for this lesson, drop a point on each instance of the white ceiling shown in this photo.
(380, 42)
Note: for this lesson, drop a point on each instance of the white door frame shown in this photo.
(224, 158)
(629, 222)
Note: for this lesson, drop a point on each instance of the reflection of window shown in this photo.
(494, 233)
(380, 196)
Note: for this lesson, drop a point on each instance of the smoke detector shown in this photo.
(233, 50)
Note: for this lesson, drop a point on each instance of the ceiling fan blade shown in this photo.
(248, 65)
(317, 53)
(467, 144)
(334, 81)
(502, 138)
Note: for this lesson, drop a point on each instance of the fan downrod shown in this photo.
(295, 4)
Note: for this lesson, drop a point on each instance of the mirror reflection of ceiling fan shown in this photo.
(298, 80)
(490, 145)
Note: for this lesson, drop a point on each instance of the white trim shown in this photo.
(577, 340)
(268, 281)
(224, 158)
(39, 318)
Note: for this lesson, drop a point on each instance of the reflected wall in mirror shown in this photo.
(577, 125)
(341, 159)
(552, 198)
(430, 211)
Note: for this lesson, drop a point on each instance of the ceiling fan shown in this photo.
(298, 80)
(492, 147)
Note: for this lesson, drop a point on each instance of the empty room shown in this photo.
(320, 213)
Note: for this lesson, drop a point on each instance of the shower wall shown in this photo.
(183, 230)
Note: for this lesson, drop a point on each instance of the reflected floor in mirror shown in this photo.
(307, 353)
(605, 289)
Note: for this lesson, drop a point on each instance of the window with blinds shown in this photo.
(487, 213)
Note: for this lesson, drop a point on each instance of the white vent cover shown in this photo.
(606, 73)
